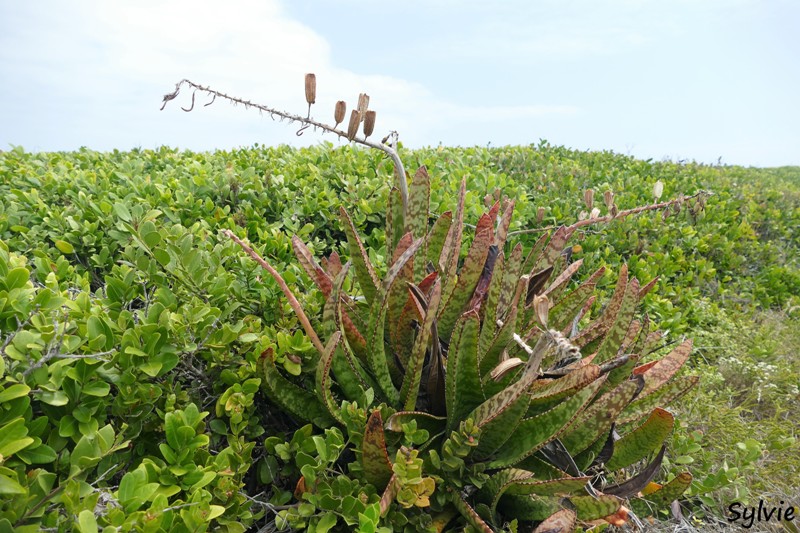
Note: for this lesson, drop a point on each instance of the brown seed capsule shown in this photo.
(369, 123)
(363, 104)
(338, 113)
(311, 88)
(588, 198)
(614, 210)
(352, 128)
(540, 214)
(608, 198)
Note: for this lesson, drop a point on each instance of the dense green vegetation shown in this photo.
(132, 329)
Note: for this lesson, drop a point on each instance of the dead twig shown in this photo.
(619, 216)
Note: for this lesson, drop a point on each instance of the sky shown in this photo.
(704, 80)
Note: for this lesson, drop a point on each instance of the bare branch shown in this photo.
(399, 169)
(622, 214)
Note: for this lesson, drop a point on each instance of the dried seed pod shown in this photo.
(614, 210)
(588, 198)
(311, 88)
(676, 207)
(665, 214)
(540, 214)
(608, 198)
(363, 104)
(339, 111)
(541, 305)
(583, 215)
(352, 128)
(658, 189)
(505, 367)
(487, 200)
(369, 123)
(595, 213)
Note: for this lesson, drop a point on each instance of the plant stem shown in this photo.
(399, 169)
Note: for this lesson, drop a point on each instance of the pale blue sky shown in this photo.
(680, 79)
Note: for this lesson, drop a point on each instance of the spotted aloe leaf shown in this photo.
(554, 248)
(562, 521)
(511, 275)
(642, 441)
(336, 318)
(564, 311)
(600, 327)
(440, 520)
(467, 277)
(479, 295)
(614, 339)
(535, 252)
(634, 331)
(403, 341)
(348, 366)
(496, 486)
(331, 309)
(659, 373)
(504, 334)
(323, 375)
(598, 452)
(672, 490)
(595, 507)
(533, 433)
(312, 268)
(541, 468)
(630, 487)
(451, 249)
(463, 391)
(546, 393)
(295, 400)
(556, 286)
(375, 458)
(398, 293)
(365, 273)
(389, 494)
(532, 508)
(395, 222)
(598, 417)
(663, 396)
(551, 487)
(419, 194)
(469, 513)
(621, 372)
(504, 223)
(376, 350)
(496, 431)
(437, 236)
(638, 345)
(509, 398)
(413, 374)
(489, 309)
(647, 287)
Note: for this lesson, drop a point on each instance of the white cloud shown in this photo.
(109, 63)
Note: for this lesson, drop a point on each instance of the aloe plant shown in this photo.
(525, 415)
